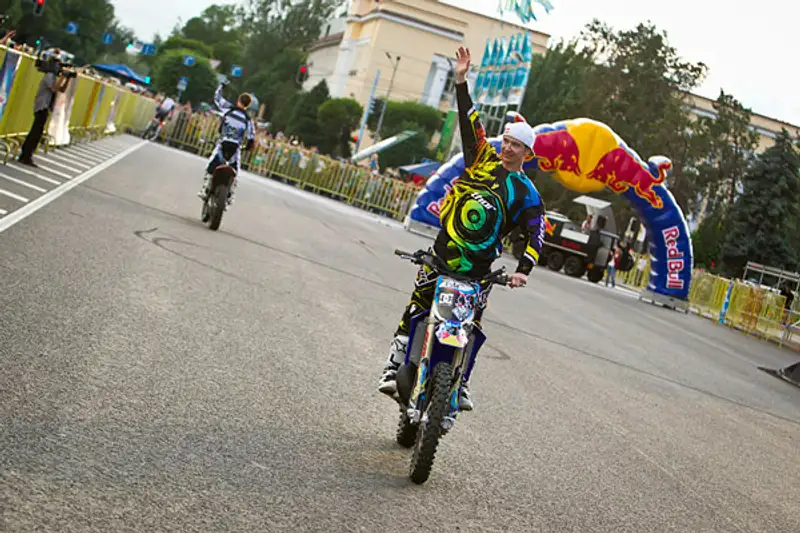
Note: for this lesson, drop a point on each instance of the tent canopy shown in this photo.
(123, 71)
(424, 169)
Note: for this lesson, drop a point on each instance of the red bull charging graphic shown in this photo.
(587, 156)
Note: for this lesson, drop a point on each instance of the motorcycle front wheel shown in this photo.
(430, 431)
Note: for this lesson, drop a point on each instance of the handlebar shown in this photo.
(421, 257)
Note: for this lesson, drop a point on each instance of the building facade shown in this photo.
(415, 40)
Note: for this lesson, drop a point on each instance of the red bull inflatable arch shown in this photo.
(586, 156)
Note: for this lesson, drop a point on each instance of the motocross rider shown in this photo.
(235, 126)
(491, 197)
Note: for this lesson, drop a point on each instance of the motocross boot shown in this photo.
(397, 354)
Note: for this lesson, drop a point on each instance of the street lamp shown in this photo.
(388, 92)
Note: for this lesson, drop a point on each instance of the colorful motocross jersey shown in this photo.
(485, 204)
(235, 125)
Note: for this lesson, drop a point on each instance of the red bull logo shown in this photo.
(557, 150)
(619, 170)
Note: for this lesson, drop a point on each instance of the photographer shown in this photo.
(54, 81)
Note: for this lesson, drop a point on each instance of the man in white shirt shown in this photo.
(165, 108)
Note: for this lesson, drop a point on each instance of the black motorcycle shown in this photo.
(219, 185)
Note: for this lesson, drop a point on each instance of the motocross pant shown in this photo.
(422, 300)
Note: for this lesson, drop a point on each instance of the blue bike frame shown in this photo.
(432, 352)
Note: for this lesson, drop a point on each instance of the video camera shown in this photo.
(54, 65)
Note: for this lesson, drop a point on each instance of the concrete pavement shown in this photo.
(157, 376)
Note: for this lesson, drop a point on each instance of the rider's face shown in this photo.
(512, 152)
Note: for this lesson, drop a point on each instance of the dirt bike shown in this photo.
(154, 129)
(443, 343)
(219, 185)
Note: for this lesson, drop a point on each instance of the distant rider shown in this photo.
(235, 126)
(491, 197)
(165, 108)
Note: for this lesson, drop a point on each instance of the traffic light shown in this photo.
(38, 8)
(147, 80)
(376, 106)
(302, 74)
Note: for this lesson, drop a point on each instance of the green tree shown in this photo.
(409, 151)
(94, 18)
(764, 218)
(556, 84)
(707, 240)
(638, 85)
(337, 118)
(216, 24)
(729, 143)
(424, 117)
(169, 68)
(303, 122)
(177, 42)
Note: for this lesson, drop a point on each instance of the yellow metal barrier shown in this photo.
(348, 183)
(94, 101)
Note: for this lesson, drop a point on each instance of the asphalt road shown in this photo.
(157, 376)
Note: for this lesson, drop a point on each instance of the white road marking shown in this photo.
(14, 196)
(3, 212)
(94, 149)
(71, 159)
(62, 165)
(56, 172)
(45, 199)
(34, 174)
(89, 152)
(23, 183)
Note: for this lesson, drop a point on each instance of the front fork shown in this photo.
(418, 394)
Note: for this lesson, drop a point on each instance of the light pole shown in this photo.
(388, 92)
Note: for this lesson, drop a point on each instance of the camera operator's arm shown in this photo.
(61, 84)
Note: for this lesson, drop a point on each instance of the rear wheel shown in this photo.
(595, 274)
(574, 266)
(406, 431)
(429, 432)
(555, 260)
(220, 197)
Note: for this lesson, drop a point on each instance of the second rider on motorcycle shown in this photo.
(235, 126)
(490, 199)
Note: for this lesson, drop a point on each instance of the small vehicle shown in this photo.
(578, 253)
(154, 129)
(442, 345)
(219, 185)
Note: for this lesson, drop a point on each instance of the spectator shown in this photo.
(586, 227)
(42, 104)
(642, 265)
(611, 267)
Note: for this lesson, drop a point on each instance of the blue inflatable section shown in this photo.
(671, 254)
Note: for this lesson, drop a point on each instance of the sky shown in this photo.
(748, 50)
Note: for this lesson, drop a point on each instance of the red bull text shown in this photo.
(675, 260)
(619, 170)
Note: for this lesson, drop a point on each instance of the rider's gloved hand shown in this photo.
(518, 279)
